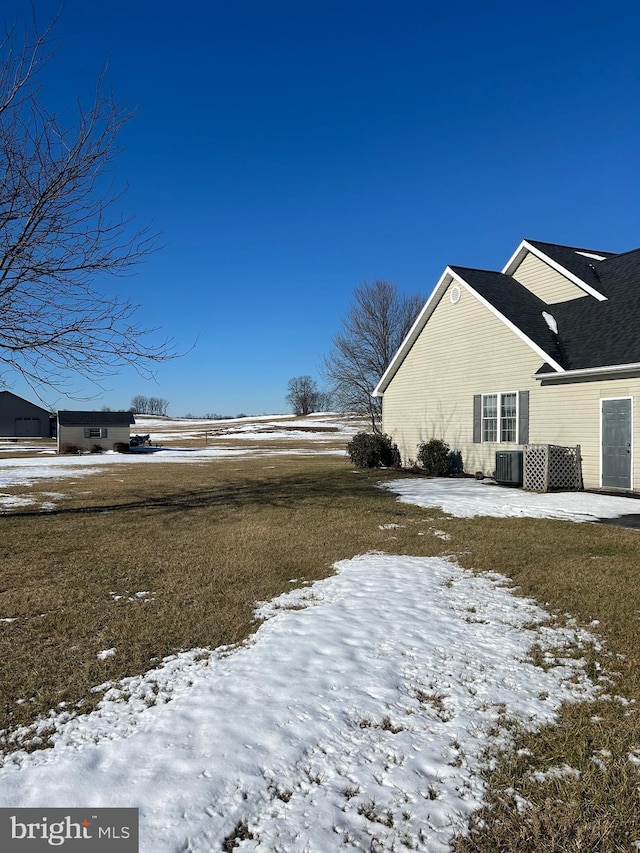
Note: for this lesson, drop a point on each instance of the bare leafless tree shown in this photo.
(303, 395)
(60, 233)
(378, 320)
(158, 406)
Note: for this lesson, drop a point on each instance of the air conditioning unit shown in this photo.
(509, 467)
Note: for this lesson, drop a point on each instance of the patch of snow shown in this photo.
(441, 534)
(361, 708)
(556, 773)
(13, 501)
(467, 498)
(106, 653)
(591, 255)
(551, 321)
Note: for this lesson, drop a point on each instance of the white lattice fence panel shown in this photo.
(564, 467)
(550, 467)
(535, 467)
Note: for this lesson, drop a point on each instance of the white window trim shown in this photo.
(499, 395)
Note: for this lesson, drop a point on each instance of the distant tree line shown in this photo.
(141, 405)
(214, 416)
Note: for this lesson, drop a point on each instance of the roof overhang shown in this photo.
(525, 247)
(447, 277)
(590, 374)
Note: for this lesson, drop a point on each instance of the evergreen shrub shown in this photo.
(372, 450)
(438, 460)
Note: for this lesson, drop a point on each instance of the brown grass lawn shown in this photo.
(207, 540)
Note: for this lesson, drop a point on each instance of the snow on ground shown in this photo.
(357, 718)
(466, 498)
(319, 427)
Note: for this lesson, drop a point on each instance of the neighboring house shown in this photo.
(21, 419)
(88, 430)
(545, 352)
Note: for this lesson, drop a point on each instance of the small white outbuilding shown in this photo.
(91, 430)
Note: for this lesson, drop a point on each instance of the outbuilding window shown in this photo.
(95, 432)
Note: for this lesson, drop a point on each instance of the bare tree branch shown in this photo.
(60, 233)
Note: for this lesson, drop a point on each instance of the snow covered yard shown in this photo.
(358, 717)
(468, 498)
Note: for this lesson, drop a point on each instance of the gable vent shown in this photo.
(455, 294)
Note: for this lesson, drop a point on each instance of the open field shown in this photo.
(154, 557)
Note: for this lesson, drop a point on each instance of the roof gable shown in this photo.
(580, 334)
(9, 395)
(577, 265)
(518, 308)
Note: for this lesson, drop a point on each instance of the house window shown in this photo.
(489, 417)
(500, 417)
(508, 417)
(95, 432)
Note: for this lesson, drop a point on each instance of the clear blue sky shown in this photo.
(290, 150)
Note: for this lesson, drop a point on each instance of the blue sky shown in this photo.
(290, 151)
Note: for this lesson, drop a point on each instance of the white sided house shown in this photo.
(93, 430)
(545, 352)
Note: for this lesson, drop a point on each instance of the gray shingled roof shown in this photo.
(569, 258)
(105, 419)
(591, 333)
(599, 334)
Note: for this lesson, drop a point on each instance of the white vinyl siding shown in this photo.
(76, 435)
(463, 351)
(545, 282)
(571, 414)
